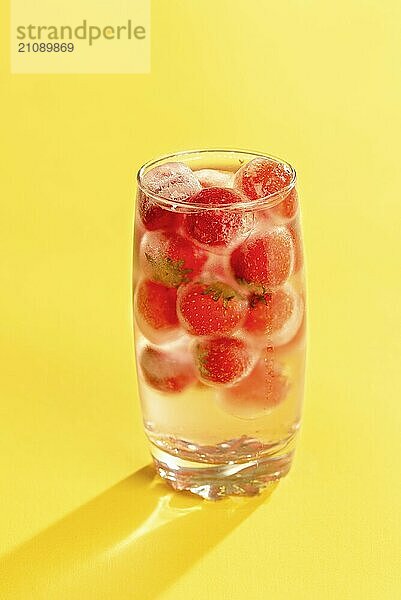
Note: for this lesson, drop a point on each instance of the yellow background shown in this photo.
(80, 517)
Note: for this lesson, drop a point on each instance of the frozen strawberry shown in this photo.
(295, 233)
(261, 177)
(276, 314)
(214, 227)
(172, 181)
(264, 262)
(222, 360)
(166, 371)
(281, 213)
(214, 178)
(171, 259)
(258, 393)
(155, 217)
(268, 312)
(287, 208)
(210, 308)
(155, 309)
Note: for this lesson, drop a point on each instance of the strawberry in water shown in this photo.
(214, 227)
(287, 208)
(172, 181)
(258, 393)
(155, 310)
(265, 261)
(155, 217)
(171, 259)
(276, 314)
(215, 178)
(261, 177)
(221, 360)
(210, 308)
(166, 371)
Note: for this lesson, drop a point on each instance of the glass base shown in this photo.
(213, 482)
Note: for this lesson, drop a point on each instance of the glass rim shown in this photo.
(267, 201)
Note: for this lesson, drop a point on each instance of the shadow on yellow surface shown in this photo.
(133, 541)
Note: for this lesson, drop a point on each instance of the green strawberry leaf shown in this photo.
(220, 291)
(166, 270)
(202, 359)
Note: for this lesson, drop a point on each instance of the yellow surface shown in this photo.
(314, 82)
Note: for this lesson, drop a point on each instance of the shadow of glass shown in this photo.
(133, 541)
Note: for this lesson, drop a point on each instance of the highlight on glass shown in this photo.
(219, 318)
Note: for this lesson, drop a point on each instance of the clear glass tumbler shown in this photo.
(219, 313)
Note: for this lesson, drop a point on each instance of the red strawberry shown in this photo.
(222, 359)
(156, 314)
(170, 258)
(281, 213)
(287, 208)
(214, 227)
(277, 314)
(166, 371)
(264, 262)
(261, 177)
(295, 233)
(155, 217)
(210, 308)
(171, 181)
(258, 393)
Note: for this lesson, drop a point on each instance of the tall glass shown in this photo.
(219, 313)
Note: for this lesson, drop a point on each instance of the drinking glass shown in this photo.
(219, 318)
